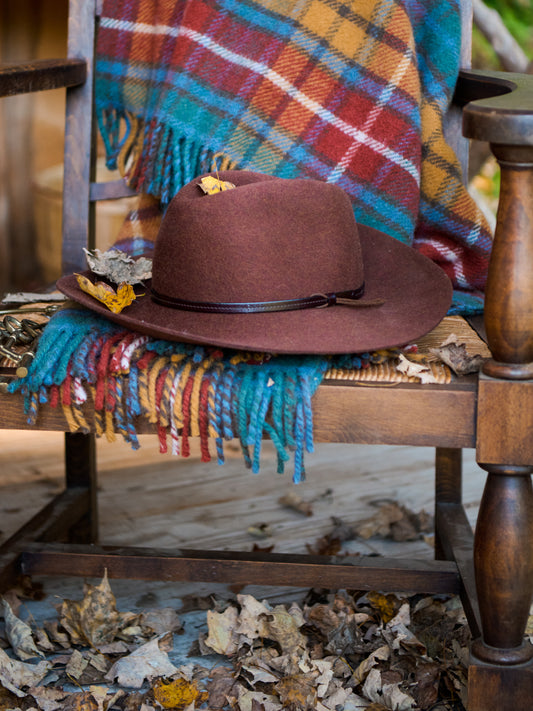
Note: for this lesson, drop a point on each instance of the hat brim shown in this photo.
(416, 293)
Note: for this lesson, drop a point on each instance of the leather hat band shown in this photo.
(315, 301)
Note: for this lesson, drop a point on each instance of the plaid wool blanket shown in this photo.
(350, 93)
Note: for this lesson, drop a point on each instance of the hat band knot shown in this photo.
(352, 297)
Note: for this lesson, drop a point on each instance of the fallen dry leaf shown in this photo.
(395, 521)
(297, 691)
(51, 628)
(48, 699)
(456, 356)
(16, 675)
(80, 701)
(284, 628)
(211, 185)
(147, 662)
(222, 636)
(220, 686)
(177, 693)
(160, 621)
(252, 619)
(366, 666)
(94, 620)
(415, 370)
(390, 695)
(19, 634)
(259, 530)
(249, 700)
(292, 501)
(76, 665)
(8, 700)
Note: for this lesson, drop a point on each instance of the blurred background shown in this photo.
(31, 132)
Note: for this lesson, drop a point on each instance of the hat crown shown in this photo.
(267, 239)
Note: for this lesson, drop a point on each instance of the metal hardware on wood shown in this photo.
(15, 333)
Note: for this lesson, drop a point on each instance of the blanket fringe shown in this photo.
(183, 390)
(151, 157)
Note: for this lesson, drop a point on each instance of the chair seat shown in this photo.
(374, 406)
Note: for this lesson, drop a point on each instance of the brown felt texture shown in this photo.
(272, 239)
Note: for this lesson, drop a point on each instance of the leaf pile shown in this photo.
(349, 651)
(334, 651)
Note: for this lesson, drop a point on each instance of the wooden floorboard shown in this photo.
(160, 500)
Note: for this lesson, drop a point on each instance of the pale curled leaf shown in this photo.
(421, 371)
(119, 266)
(146, 662)
(390, 695)
(365, 667)
(252, 620)
(76, 664)
(222, 636)
(48, 698)
(16, 675)
(160, 621)
(292, 501)
(19, 635)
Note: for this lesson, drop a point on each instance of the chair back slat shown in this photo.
(453, 126)
(79, 159)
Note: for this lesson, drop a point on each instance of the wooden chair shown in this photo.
(493, 413)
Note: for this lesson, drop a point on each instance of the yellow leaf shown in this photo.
(211, 185)
(114, 300)
(386, 605)
(83, 701)
(177, 694)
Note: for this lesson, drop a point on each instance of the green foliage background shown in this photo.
(518, 18)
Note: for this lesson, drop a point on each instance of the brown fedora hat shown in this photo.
(279, 265)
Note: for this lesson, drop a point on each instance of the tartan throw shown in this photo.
(350, 93)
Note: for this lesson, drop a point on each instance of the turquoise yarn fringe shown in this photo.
(224, 394)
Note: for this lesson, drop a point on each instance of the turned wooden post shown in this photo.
(503, 549)
(509, 295)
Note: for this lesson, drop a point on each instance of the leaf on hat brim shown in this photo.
(115, 301)
(211, 185)
(119, 266)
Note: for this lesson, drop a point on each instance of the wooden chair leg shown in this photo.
(501, 673)
(69, 517)
(454, 539)
(448, 490)
(80, 472)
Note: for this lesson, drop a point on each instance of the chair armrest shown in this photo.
(41, 75)
(498, 106)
